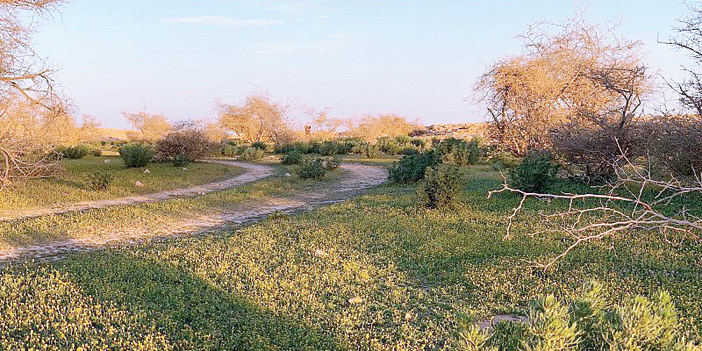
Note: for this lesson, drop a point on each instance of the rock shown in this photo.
(408, 316)
(489, 323)
(107, 161)
(288, 175)
(146, 171)
(320, 253)
(185, 169)
(355, 300)
(139, 184)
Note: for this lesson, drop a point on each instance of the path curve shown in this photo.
(359, 177)
(253, 172)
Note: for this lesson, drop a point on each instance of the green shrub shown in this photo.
(535, 172)
(459, 152)
(303, 147)
(259, 145)
(136, 155)
(311, 168)
(330, 148)
(75, 152)
(503, 160)
(591, 322)
(292, 157)
(440, 187)
(180, 160)
(251, 154)
(369, 150)
(331, 164)
(388, 146)
(99, 180)
(418, 143)
(411, 168)
(229, 150)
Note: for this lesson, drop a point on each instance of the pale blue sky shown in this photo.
(419, 59)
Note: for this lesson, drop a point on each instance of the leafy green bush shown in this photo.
(503, 160)
(388, 145)
(75, 152)
(97, 152)
(251, 154)
(440, 188)
(589, 323)
(229, 150)
(459, 152)
(330, 148)
(292, 157)
(535, 172)
(99, 180)
(311, 168)
(411, 168)
(369, 150)
(136, 155)
(418, 143)
(259, 145)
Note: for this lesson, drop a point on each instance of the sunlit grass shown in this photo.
(70, 186)
(377, 272)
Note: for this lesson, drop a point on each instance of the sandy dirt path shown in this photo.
(253, 172)
(357, 178)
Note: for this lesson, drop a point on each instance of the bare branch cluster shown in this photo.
(637, 200)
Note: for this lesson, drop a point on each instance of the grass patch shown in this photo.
(374, 273)
(71, 185)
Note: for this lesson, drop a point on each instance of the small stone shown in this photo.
(139, 184)
(146, 171)
(288, 175)
(408, 316)
(355, 300)
(321, 254)
(107, 161)
(185, 169)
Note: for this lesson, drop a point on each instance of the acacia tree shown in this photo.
(23, 75)
(259, 119)
(371, 128)
(581, 73)
(150, 127)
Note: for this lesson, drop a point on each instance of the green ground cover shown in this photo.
(376, 272)
(72, 184)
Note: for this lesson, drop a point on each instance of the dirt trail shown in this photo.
(253, 173)
(358, 178)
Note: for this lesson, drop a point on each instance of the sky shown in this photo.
(416, 58)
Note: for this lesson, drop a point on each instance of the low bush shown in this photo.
(75, 152)
(330, 148)
(331, 164)
(369, 150)
(99, 180)
(459, 152)
(440, 187)
(185, 144)
(591, 154)
(675, 142)
(502, 160)
(292, 157)
(251, 154)
(311, 168)
(97, 152)
(418, 143)
(388, 146)
(591, 322)
(136, 155)
(535, 173)
(229, 150)
(259, 145)
(411, 168)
